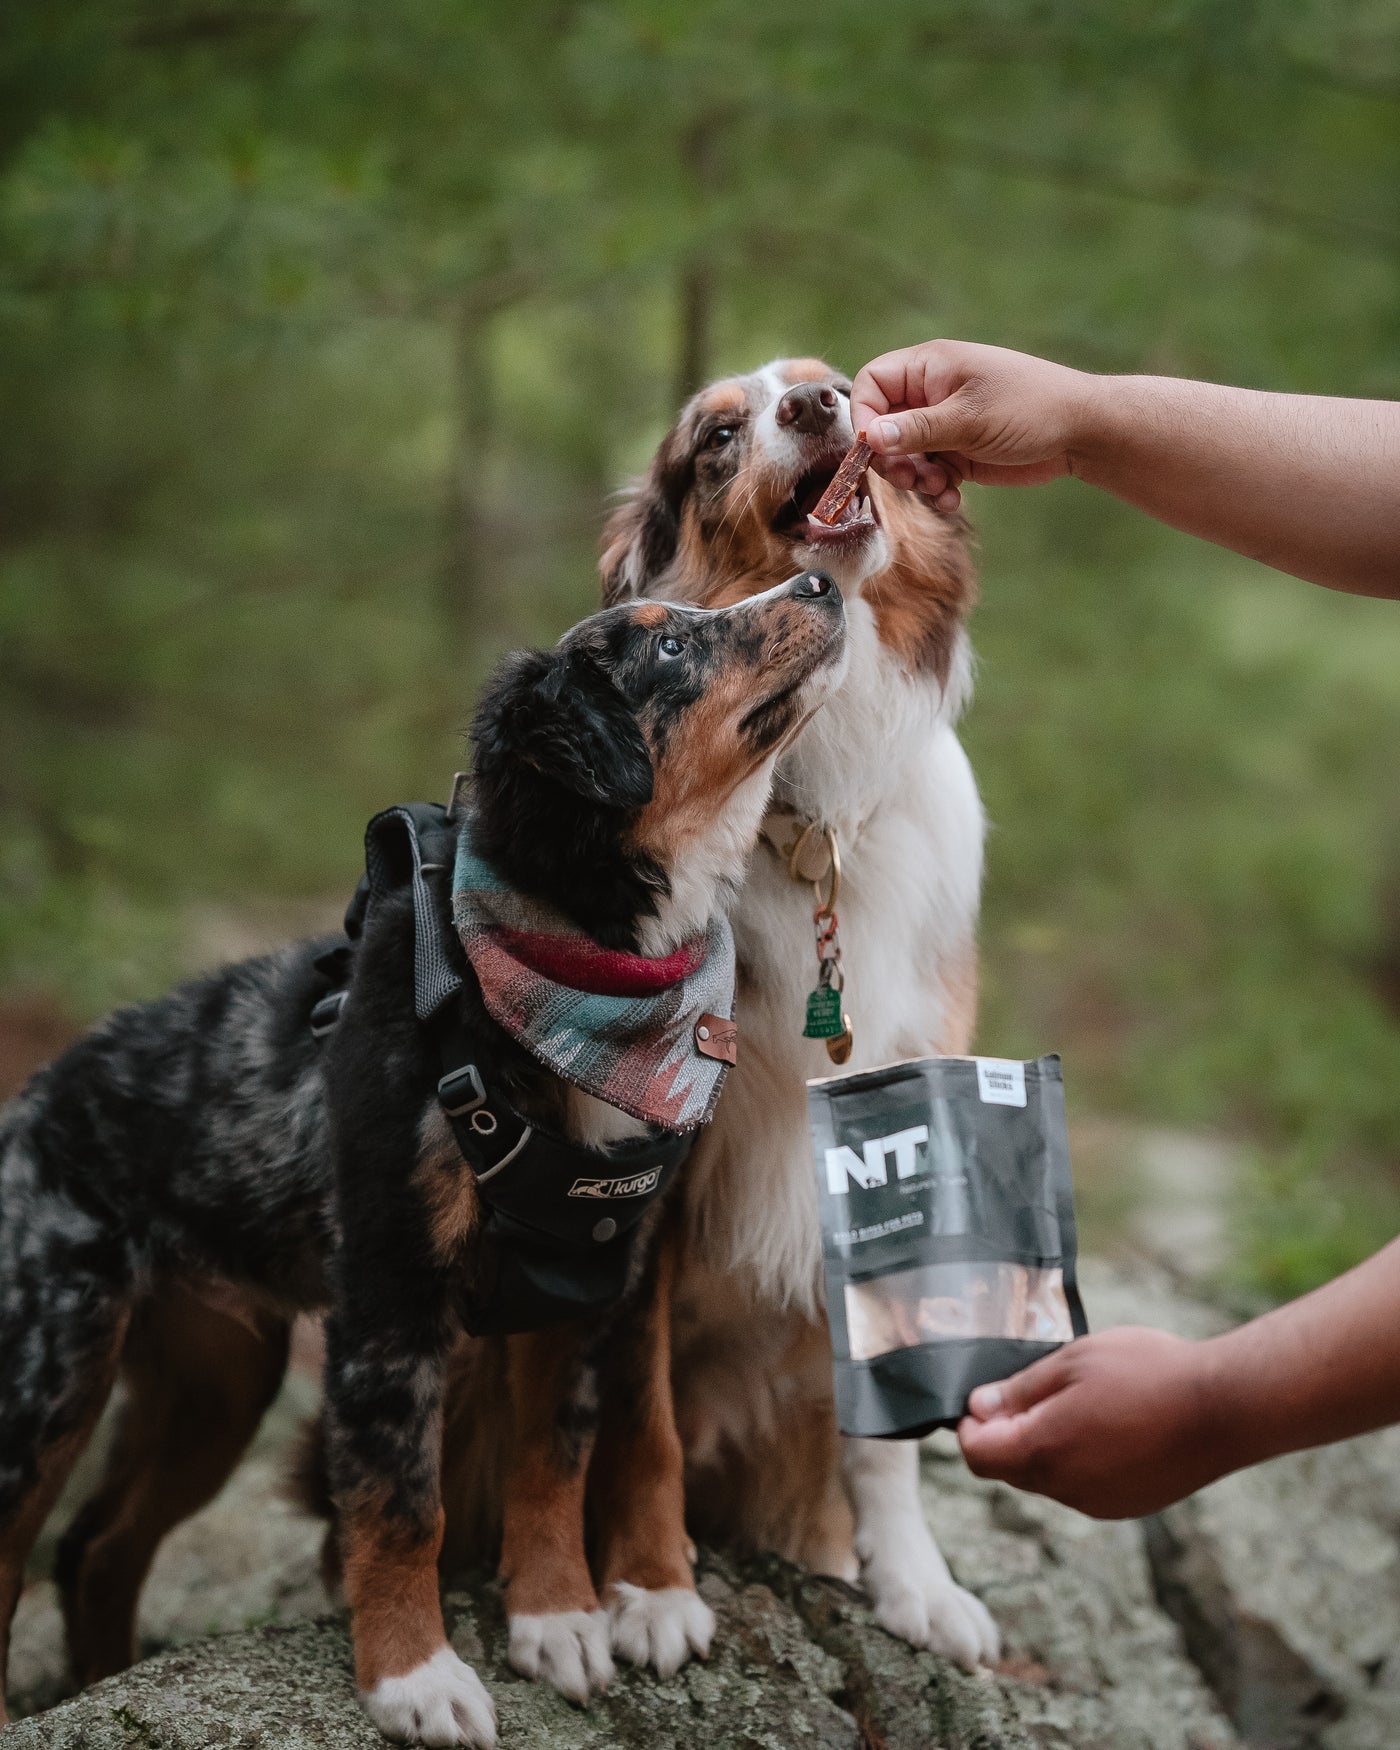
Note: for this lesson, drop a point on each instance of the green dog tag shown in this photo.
(823, 1013)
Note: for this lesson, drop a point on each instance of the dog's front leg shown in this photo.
(557, 1629)
(914, 1595)
(637, 1486)
(384, 1429)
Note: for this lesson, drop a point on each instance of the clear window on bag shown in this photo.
(948, 1302)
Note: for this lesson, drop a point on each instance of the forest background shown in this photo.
(327, 328)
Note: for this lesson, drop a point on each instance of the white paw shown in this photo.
(568, 1648)
(662, 1628)
(931, 1610)
(441, 1701)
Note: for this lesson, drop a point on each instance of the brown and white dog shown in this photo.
(722, 514)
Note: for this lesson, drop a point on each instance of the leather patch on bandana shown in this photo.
(718, 1038)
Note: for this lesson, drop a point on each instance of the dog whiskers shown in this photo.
(738, 517)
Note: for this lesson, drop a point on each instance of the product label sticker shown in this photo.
(1001, 1081)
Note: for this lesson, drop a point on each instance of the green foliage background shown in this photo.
(326, 327)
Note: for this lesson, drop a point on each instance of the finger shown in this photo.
(900, 471)
(1000, 1449)
(915, 474)
(946, 426)
(1011, 1397)
(880, 385)
(868, 398)
(911, 376)
(934, 475)
(929, 475)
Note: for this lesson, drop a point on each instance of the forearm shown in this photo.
(1320, 1369)
(1308, 484)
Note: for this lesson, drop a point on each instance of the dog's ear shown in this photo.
(639, 542)
(639, 538)
(929, 585)
(559, 713)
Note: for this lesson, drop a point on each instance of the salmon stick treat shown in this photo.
(845, 482)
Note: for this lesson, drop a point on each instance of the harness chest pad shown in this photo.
(558, 1219)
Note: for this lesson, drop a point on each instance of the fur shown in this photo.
(195, 1171)
(720, 514)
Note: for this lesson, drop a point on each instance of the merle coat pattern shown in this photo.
(196, 1170)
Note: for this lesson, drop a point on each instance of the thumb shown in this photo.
(950, 425)
(1010, 1397)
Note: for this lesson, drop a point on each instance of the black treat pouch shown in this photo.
(947, 1231)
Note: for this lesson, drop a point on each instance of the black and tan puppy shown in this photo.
(196, 1170)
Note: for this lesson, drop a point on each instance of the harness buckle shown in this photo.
(461, 1091)
(326, 1012)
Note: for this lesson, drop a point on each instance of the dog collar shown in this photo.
(810, 851)
(652, 1036)
(788, 833)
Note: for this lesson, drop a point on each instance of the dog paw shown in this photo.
(441, 1701)
(932, 1611)
(660, 1628)
(567, 1648)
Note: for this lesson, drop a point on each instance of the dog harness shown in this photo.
(653, 1037)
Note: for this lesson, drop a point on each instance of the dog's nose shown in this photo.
(809, 407)
(814, 584)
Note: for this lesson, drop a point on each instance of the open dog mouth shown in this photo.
(795, 522)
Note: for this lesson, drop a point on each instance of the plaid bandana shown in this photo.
(620, 1026)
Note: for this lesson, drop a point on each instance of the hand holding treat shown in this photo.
(948, 411)
(1220, 462)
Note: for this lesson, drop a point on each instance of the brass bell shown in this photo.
(838, 1048)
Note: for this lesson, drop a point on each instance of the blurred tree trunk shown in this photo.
(700, 166)
(697, 300)
(465, 572)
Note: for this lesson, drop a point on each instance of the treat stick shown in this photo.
(844, 481)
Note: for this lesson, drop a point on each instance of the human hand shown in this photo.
(1118, 1424)
(951, 410)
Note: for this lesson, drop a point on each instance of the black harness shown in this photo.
(558, 1220)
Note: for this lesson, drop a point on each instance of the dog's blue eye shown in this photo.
(670, 647)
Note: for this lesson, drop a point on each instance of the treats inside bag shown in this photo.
(947, 1232)
(933, 1301)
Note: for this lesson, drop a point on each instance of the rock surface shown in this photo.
(797, 1662)
(1286, 1581)
(1264, 1612)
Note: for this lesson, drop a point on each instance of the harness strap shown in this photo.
(554, 1187)
(401, 845)
(558, 1216)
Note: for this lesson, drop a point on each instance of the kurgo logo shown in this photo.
(870, 1168)
(638, 1186)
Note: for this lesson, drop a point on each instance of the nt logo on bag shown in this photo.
(871, 1167)
(637, 1186)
